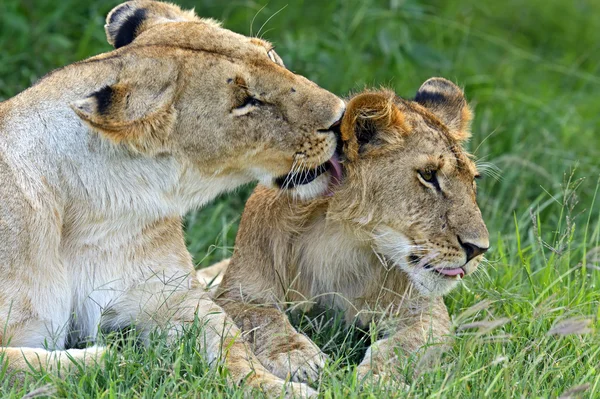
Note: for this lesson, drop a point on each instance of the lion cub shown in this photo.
(400, 230)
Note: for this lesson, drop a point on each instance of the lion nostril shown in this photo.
(472, 250)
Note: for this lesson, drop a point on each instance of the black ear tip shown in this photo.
(116, 12)
(439, 86)
(426, 96)
(440, 83)
(439, 91)
(123, 23)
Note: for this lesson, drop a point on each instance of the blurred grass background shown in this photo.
(531, 71)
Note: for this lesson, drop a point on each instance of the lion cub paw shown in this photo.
(369, 376)
(274, 389)
(298, 359)
(299, 390)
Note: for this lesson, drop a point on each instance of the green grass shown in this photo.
(532, 72)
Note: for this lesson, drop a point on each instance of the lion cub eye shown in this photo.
(429, 176)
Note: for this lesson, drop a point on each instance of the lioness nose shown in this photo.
(472, 250)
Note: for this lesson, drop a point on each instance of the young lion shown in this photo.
(400, 230)
(100, 159)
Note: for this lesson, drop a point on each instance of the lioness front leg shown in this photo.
(154, 307)
(276, 343)
(430, 325)
(168, 296)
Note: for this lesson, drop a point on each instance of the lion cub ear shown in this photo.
(126, 21)
(372, 119)
(138, 109)
(447, 101)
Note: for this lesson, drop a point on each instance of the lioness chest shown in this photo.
(103, 262)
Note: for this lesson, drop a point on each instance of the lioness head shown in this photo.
(223, 103)
(410, 187)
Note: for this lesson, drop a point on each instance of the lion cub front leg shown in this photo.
(427, 323)
(276, 343)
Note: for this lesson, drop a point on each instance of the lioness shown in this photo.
(100, 159)
(399, 231)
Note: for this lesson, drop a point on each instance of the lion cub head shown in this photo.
(409, 186)
(221, 102)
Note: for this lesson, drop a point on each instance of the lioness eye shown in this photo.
(247, 105)
(250, 102)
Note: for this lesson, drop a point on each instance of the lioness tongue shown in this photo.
(335, 170)
(452, 272)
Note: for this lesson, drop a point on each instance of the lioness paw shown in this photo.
(70, 359)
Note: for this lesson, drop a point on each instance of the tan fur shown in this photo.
(100, 159)
(352, 251)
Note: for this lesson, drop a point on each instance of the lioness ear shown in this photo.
(126, 21)
(137, 110)
(371, 119)
(447, 101)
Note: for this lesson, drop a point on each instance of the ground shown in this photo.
(527, 322)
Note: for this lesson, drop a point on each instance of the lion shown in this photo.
(399, 231)
(100, 160)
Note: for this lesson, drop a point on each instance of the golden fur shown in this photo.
(384, 248)
(100, 159)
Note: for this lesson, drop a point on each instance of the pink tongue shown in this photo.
(452, 272)
(336, 170)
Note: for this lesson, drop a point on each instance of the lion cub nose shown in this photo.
(472, 250)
